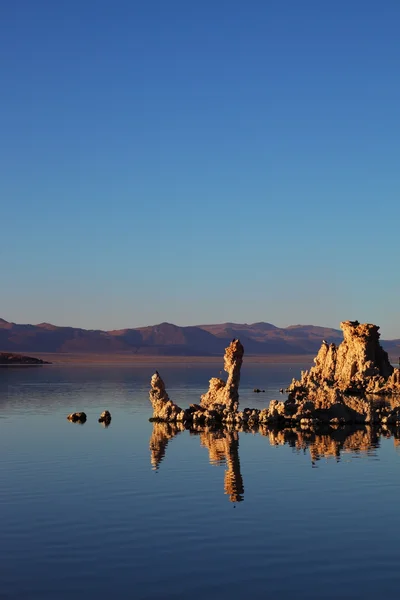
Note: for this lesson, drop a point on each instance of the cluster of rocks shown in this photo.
(358, 366)
(353, 382)
(219, 404)
(81, 417)
(350, 383)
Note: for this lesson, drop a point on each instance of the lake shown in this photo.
(146, 511)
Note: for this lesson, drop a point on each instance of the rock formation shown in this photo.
(359, 365)
(105, 418)
(346, 381)
(163, 408)
(219, 404)
(226, 394)
(9, 359)
(342, 387)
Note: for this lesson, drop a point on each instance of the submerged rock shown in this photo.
(77, 417)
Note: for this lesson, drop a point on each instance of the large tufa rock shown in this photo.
(163, 408)
(226, 394)
(219, 404)
(358, 365)
(332, 392)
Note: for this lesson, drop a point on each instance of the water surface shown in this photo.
(142, 511)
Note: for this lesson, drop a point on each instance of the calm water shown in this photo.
(136, 511)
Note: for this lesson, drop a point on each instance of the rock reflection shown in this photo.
(330, 444)
(223, 445)
(223, 448)
(161, 434)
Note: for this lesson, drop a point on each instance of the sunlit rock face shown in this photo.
(218, 405)
(342, 387)
(163, 408)
(359, 365)
(226, 394)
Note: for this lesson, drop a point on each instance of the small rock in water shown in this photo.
(77, 417)
(258, 391)
(105, 418)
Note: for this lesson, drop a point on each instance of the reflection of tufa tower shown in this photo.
(331, 445)
(161, 434)
(223, 446)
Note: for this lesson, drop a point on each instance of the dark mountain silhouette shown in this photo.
(171, 340)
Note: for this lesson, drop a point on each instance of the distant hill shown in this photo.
(7, 359)
(171, 340)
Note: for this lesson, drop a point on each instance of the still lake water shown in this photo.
(125, 512)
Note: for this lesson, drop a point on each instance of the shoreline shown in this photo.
(92, 359)
(59, 359)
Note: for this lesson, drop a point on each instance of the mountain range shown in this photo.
(171, 340)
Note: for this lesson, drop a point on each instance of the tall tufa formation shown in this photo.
(218, 405)
(226, 394)
(359, 365)
(337, 390)
(163, 408)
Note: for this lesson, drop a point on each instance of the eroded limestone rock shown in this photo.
(226, 394)
(346, 381)
(359, 365)
(163, 408)
(342, 387)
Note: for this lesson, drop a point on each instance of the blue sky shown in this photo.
(200, 162)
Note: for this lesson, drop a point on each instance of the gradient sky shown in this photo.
(200, 161)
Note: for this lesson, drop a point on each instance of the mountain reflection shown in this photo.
(223, 445)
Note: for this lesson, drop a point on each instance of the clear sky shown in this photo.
(200, 161)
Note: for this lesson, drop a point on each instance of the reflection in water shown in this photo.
(223, 445)
(162, 433)
(223, 448)
(329, 444)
